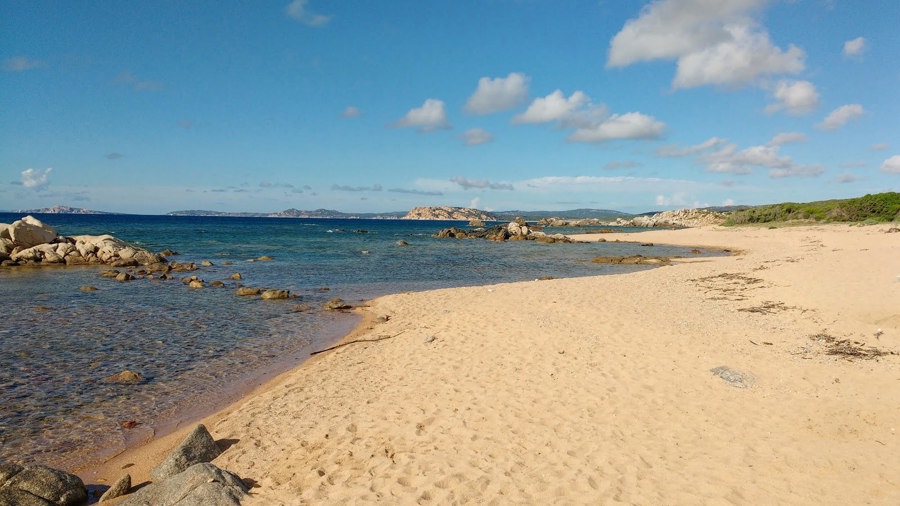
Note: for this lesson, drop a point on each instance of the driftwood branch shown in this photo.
(358, 341)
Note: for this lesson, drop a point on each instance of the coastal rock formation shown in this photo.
(202, 483)
(447, 213)
(30, 242)
(40, 485)
(199, 446)
(679, 218)
(518, 230)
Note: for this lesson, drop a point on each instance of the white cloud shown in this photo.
(36, 179)
(787, 138)
(854, 47)
(297, 10)
(553, 107)
(740, 61)
(351, 112)
(475, 136)
(730, 160)
(881, 146)
(840, 116)
(632, 125)
(624, 164)
(430, 117)
(481, 184)
(794, 97)
(673, 151)
(714, 42)
(21, 64)
(891, 165)
(498, 94)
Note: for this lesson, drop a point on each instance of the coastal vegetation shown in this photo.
(877, 208)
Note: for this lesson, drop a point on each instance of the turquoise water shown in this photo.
(197, 348)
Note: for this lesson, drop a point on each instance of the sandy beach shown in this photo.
(598, 390)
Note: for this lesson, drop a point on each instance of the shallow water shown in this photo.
(195, 347)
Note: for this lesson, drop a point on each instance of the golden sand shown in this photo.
(599, 390)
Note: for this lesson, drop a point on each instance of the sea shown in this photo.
(198, 350)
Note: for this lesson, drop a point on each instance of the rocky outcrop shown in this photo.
(199, 446)
(679, 218)
(39, 485)
(448, 213)
(30, 242)
(202, 483)
(518, 230)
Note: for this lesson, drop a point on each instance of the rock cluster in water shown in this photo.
(518, 230)
(40, 485)
(30, 242)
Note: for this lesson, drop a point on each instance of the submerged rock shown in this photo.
(275, 294)
(125, 377)
(336, 305)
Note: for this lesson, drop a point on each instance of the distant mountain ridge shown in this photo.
(60, 210)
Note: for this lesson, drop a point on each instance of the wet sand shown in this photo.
(598, 390)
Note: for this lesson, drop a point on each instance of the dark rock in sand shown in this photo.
(39, 485)
(201, 484)
(196, 448)
(119, 488)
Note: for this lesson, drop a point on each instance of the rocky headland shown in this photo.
(448, 213)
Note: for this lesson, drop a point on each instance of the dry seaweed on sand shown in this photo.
(849, 349)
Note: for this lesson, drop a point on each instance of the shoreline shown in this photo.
(535, 391)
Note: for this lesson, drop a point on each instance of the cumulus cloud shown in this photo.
(731, 160)
(480, 184)
(632, 125)
(787, 138)
(36, 179)
(416, 192)
(891, 165)
(429, 118)
(673, 151)
(298, 10)
(498, 94)
(21, 64)
(855, 47)
(344, 188)
(840, 116)
(475, 136)
(351, 112)
(794, 97)
(713, 42)
(553, 107)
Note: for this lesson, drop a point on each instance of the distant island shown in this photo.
(874, 208)
(60, 210)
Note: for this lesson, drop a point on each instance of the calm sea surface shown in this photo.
(196, 348)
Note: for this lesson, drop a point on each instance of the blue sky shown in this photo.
(149, 107)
